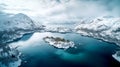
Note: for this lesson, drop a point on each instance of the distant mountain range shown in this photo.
(105, 28)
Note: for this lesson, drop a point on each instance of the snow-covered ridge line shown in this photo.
(107, 29)
(16, 26)
(58, 29)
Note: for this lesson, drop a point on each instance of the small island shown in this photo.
(59, 42)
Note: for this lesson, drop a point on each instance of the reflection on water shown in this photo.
(89, 52)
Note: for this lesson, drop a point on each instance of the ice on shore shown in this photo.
(117, 56)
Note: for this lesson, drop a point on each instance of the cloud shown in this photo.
(3, 15)
(111, 6)
(56, 10)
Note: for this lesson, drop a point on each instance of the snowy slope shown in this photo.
(17, 25)
(117, 56)
(10, 57)
(19, 21)
(107, 29)
(58, 29)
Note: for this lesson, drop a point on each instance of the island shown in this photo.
(59, 42)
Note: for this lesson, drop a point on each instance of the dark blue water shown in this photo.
(89, 52)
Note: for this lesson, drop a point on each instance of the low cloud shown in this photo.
(56, 10)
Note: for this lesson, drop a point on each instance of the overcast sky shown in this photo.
(61, 9)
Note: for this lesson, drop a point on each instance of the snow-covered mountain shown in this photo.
(18, 21)
(104, 28)
(17, 25)
(9, 57)
(58, 29)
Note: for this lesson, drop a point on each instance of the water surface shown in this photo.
(88, 52)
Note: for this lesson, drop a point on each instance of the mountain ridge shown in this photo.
(106, 29)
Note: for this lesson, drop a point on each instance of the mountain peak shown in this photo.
(20, 15)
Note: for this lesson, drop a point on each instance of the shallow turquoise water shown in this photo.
(89, 52)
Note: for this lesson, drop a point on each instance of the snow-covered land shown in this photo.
(117, 56)
(10, 57)
(59, 42)
(105, 28)
(58, 29)
(15, 26)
